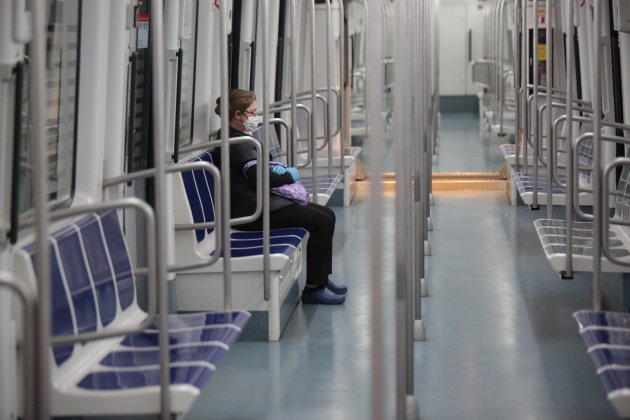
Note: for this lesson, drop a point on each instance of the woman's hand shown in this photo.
(295, 174)
(279, 170)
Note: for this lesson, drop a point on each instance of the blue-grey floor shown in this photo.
(501, 343)
(460, 149)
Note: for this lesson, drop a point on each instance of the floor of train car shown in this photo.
(501, 343)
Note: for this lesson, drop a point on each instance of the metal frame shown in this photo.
(30, 391)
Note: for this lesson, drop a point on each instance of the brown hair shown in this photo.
(239, 99)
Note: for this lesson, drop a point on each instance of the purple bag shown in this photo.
(294, 192)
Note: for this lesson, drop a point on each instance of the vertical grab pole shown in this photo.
(419, 37)
(402, 251)
(365, 52)
(265, 156)
(225, 159)
(501, 47)
(549, 69)
(430, 112)
(313, 110)
(329, 49)
(373, 106)
(37, 100)
(517, 75)
(158, 63)
(292, 17)
(405, 400)
(535, 111)
(598, 211)
(569, 212)
(342, 92)
(524, 88)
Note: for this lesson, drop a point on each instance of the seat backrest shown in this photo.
(199, 187)
(585, 150)
(275, 148)
(622, 199)
(91, 278)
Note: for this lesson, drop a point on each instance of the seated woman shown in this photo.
(318, 220)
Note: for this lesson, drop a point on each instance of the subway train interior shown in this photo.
(472, 156)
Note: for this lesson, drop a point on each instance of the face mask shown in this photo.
(251, 123)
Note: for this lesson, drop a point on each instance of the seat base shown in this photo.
(200, 291)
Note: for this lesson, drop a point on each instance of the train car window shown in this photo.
(62, 63)
(188, 57)
(138, 94)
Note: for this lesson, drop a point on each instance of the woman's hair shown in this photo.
(240, 100)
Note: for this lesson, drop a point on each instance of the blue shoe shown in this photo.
(338, 289)
(323, 297)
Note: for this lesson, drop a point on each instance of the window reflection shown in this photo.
(62, 48)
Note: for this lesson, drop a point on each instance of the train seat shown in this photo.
(553, 237)
(201, 289)
(326, 183)
(93, 289)
(509, 154)
(329, 174)
(524, 182)
(607, 338)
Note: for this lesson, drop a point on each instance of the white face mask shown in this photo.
(251, 123)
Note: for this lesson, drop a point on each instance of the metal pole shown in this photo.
(500, 48)
(37, 103)
(265, 155)
(404, 241)
(225, 159)
(329, 49)
(570, 197)
(548, 93)
(524, 90)
(422, 94)
(313, 105)
(598, 210)
(373, 106)
(342, 90)
(158, 63)
(518, 77)
(535, 111)
(293, 65)
(401, 211)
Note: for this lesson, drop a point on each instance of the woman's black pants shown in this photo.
(319, 221)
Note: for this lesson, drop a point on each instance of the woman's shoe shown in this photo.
(338, 289)
(323, 296)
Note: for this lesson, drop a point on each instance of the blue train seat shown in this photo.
(93, 289)
(202, 288)
(607, 338)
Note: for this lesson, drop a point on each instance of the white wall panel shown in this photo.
(453, 53)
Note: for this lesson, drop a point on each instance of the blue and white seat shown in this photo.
(525, 182)
(607, 338)
(202, 288)
(93, 289)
